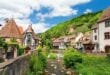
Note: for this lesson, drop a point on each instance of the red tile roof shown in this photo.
(10, 29)
(105, 15)
(21, 30)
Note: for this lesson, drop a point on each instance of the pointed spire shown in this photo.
(29, 29)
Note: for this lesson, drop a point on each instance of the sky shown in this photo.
(44, 14)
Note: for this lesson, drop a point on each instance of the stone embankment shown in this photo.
(17, 66)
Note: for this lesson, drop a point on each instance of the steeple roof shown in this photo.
(30, 30)
(10, 29)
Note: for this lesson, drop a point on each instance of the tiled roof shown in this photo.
(105, 15)
(21, 30)
(10, 29)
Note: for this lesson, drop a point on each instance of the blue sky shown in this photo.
(44, 14)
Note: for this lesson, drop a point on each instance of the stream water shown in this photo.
(54, 68)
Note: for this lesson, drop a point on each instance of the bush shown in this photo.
(72, 57)
(20, 51)
(47, 50)
(93, 65)
(37, 63)
(42, 57)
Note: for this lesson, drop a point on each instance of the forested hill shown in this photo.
(82, 23)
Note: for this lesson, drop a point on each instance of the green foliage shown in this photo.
(42, 57)
(82, 23)
(37, 63)
(3, 44)
(20, 51)
(47, 50)
(87, 64)
(93, 65)
(71, 58)
(52, 56)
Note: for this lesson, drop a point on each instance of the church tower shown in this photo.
(30, 38)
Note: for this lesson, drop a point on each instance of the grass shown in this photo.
(93, 65)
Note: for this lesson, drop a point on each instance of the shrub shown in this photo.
(35, 65)
(47, 50)
(20, 51)
(93, 65)
(72, 57)
(42, 57)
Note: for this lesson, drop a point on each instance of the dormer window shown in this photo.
(107, 23)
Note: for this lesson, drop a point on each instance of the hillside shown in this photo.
(82, 24)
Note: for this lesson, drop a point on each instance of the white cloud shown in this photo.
(40, 27)
(87, 11)
(23, 9)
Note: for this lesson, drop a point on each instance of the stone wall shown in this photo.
(17, 66)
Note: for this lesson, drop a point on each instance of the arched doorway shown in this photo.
(107, 49)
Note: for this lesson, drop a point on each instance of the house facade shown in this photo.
(95, 37)
(101, 33)
(60, 43)
(30, 39)
(11, 32)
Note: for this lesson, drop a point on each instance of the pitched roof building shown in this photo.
(105, 15)
(101, 33)
(10, 30)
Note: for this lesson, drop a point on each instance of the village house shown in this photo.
(84, 43)
(30, 39)
(101, 32)
(11, 31)
(60, 43)
(64, 42)
(88, 45)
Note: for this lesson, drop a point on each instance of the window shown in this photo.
(95, 30)
(107, 23)
(95, 37)
(107, 35)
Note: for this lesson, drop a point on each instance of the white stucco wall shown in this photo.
(102, 41)
(95, 41)
(95, 34)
